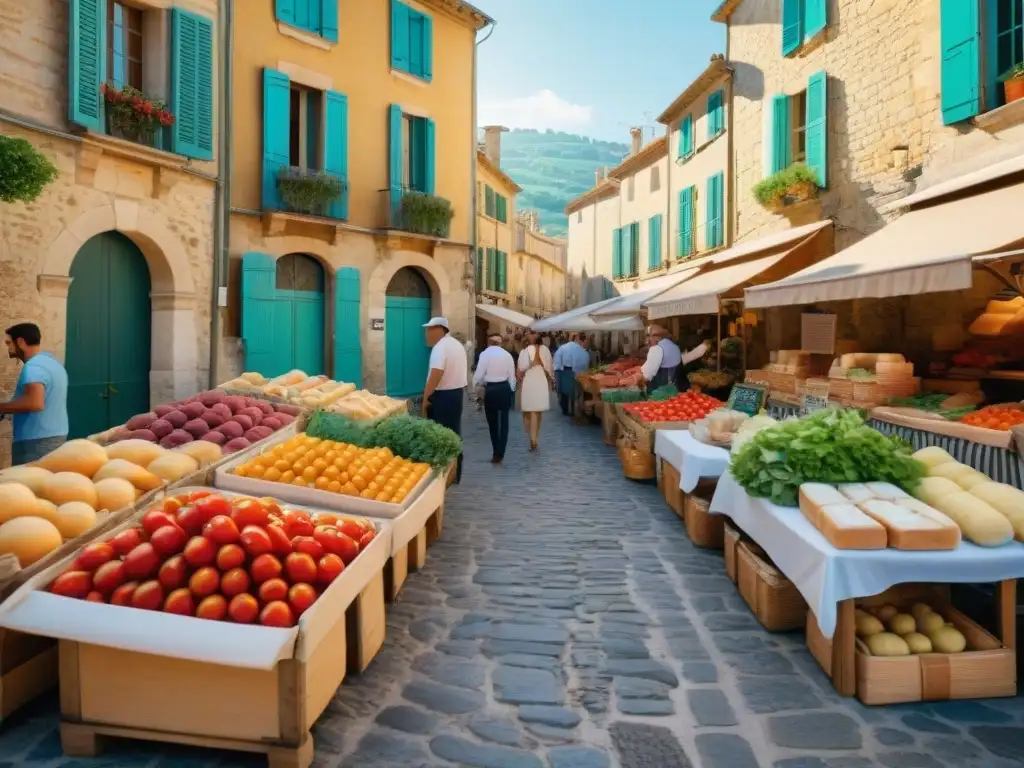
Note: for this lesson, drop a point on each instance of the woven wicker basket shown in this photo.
(772, 597)
(732, 540)
(636, 464)
(610, 423)
(668, 483)
(703, 528)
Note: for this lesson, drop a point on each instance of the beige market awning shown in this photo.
(700, 295)
(649, 289)
(504, 315)
(579, 320)
(924, 251)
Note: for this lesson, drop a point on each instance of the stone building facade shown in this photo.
(113, 260)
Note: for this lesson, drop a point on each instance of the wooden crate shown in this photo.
(704, 529)
(773, 598)
(986, 670)
(732, 538)
(642, 433)
(668, 483)
(421, 524)
(610, 423)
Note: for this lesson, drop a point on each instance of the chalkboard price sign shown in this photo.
(747, 398)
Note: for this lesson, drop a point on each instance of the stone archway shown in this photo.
(174, 360)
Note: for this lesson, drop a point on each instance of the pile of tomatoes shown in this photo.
(688, 406)
(1001, 417)
(227, 559)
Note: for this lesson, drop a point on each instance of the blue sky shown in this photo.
(593, 67)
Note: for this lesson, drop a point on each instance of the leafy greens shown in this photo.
(829, 446)
(407, 436)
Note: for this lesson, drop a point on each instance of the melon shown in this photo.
(114, 493)
(65, 487)
(141, 452)
(138, 476)
(81, 456)
(74, 519)
(173, 466)
(16, 500)
(203, 451)
(31, 477)
(46, 510)
(29, 539)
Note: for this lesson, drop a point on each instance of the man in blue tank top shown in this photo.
(39, 405)
(664, 358)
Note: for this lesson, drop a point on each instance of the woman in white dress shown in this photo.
(536, 379)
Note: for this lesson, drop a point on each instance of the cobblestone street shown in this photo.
(565, 621)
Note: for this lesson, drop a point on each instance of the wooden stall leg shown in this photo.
(435, 525)
(844, 662)
(366, 630)
(395, 573)
(1006, 599)
(291, 757)
(418, 551)
(78, 740)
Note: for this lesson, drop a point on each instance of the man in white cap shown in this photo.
(664, 358)
(446, 381)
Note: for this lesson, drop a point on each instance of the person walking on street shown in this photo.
(570, 359)
(664, 358)
(536, 382)
(40, 402)
(446, 382)
(496, 373)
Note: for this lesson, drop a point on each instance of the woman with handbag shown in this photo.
(536, 381)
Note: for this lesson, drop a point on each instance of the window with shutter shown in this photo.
(396, 162)
(479, 269)
(687, 199)
(792, 26)
(816, 132)
(686, 137)
(960, 39)
(489, 202)
(616, 254)
(781, 138)
(317, 16)
(654, 242)
(336, 148)
(192, 84)
(716, 114)
(634, 252)
(276, 134)
(87, 62)
(412, 44)
(713, 229)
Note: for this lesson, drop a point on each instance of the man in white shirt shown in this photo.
(664, 358)
(496, 372)
(446, 382)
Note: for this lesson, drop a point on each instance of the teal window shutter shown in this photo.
(87, 62)
(276, 134)
(399, 36)
(285, 11)
(489, 203)
(395, 160)
(634, 252)
(713, 211)
(816, 136)
(960, 35)
(427, 30)
(686, 201)
(429, 156)
(490, 269)
(192, 84)
(626, 254)
(616, 254)
(686, 137)
(781, 140)
(329, 20)
(815, 17)
(503, 271)
(716, 121)
(261, 347)
(654, 242)
(792, 25)
(479, 269)
(336, 149)
(348, 347)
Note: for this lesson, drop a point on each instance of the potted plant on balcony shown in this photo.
(425, 214)
(24, 171)
(308, 191)
(794, 184)
(1013, 82)
(133, 116)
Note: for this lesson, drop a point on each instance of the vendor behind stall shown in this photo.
(664, 358)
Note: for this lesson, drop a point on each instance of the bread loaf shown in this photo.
(978, 521)
(913, 525)
(887, 491)
(931, 489)
(846, 527)
(1006, 500)
(814, 496)
(951, 470)
(856, 492)
(932, 456)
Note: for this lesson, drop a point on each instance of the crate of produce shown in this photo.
(732, 538)
(640, 421)
(704, 529)
(328, 486)
(963, 661)
(172, 672)
(610, 423)
(637, 463)
(420, 525)
(773, 598)
(668, 483)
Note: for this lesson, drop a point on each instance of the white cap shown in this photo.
(436, 322)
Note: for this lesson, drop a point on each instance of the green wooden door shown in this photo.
(406, 309)
(108, 335)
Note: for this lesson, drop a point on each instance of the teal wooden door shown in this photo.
(108, 335)
(406, 308)
(348, 347)
(283, 314)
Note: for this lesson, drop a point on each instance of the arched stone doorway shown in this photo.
(108, 333)
(407, 307)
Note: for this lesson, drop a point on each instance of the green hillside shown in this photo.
(553, 168)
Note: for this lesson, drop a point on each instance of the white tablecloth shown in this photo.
(826, 575)
(690, 457)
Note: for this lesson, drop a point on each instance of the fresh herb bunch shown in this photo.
(829, 446)
(625, 395)
(407, 436)
(664, 392)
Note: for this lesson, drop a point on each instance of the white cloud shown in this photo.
(544, 109)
